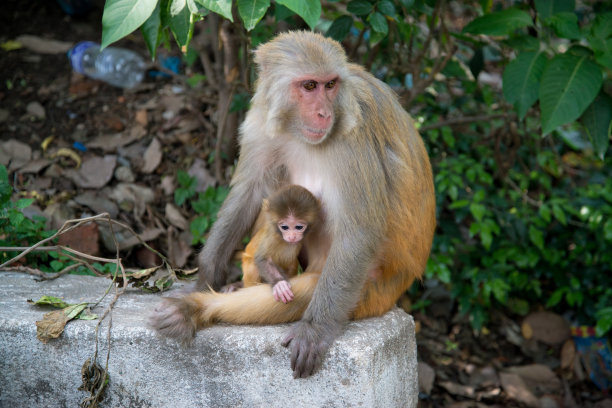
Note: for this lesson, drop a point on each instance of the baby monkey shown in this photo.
(272, 255)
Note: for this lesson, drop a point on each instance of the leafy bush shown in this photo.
(16, 229)
(523, 181)
(206, 205)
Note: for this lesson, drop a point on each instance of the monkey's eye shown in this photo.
(284, 227)
(299, 227)
(309, 85)
(331, 84)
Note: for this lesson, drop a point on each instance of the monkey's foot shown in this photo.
(308, 343)
(232, 287)
(176, 318)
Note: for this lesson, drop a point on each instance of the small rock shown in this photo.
(539, 378)
(427, 376)
(547, 327)
(36, 110)
(125, 174)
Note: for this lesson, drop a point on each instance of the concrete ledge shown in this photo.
(373, 364)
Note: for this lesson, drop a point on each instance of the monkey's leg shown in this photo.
(378, 297)
(250, 273)
(180, 317)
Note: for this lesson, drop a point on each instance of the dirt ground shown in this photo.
(164, 126)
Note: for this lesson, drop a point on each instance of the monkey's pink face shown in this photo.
(314, 98)
(292, 229)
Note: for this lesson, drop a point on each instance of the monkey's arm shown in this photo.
(276, 276)
(235, 219)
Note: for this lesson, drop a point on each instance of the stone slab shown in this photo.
(373, 363)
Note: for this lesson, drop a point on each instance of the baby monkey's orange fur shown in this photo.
(272, 254)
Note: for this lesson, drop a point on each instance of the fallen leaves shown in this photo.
(533, 365)
(53, 323)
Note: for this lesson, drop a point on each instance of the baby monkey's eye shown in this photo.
(284, 227)
(299, 227)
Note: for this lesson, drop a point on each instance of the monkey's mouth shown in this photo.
(314, 134)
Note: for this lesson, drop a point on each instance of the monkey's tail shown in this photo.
(255, 304)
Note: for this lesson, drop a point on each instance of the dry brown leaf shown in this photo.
(458, 389)
(539, 378)
(152, 157)
(51, 326)
(568, 355)
(179, 248)
(516, 389)
(95, 172)
(14, 154)
(174, 216)
(141, 117)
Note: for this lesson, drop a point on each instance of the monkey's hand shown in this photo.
(282, 291)
(308, 343)
(175, 318)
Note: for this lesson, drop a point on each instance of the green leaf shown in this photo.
(597, 120)
(545, 213)
(478, 211)
(251, 11)
(500, 290)
(604, 321)
(181, 23)
(537, 237)
(184, 179)
(568, 86)
(602, 25)
(151, 31)
(387, 8)
(556, 297)
(221, 7)
(559, 214)
(608, 230)
(547, 8)
(74, 310)
(340, 28)
(521, 80)
(500, 23)
(16, 218)
(378, 23)
(24, 203)
(359, 7)
(565, 25)
(122, 17)
(50, 301)
(309, 10)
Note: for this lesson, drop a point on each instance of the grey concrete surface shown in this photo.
(373, 364)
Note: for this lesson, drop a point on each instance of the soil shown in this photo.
(465, 369)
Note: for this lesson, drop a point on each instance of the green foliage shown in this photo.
(15, 228)
(206, 205)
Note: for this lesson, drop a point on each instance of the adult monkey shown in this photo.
(326, 124)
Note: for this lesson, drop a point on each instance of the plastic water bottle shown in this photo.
(116, 66)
